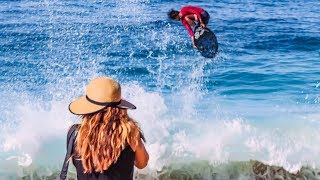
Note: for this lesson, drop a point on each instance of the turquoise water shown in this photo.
(258, 99)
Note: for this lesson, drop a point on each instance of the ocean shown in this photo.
(256, 104)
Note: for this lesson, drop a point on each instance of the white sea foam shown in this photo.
(35, 128)
(171, 135)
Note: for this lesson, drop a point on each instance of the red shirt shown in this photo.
(190, 10)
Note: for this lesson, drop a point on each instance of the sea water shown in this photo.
(259, 99)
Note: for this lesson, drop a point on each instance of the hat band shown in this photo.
(109, 104)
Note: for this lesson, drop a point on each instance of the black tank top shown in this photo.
(121, 170)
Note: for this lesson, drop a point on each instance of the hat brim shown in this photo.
(126, 105)
(82, 106)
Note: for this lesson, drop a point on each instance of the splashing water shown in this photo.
(203, 118)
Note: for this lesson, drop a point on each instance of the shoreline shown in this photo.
(194, 170)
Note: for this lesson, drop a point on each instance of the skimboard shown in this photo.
(206, 42)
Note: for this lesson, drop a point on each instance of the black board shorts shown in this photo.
(205, 17)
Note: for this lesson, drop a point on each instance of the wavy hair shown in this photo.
(102, 136)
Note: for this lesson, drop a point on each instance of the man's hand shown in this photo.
(203, 25)
(192, 39)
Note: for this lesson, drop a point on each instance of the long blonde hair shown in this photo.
(102, 136)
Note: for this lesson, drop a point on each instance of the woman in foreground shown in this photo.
(108, 143)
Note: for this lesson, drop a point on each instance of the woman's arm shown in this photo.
(141, 154)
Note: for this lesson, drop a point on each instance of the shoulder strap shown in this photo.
(70, 142)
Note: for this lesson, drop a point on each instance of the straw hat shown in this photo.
(100, 93)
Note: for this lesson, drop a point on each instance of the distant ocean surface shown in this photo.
(258, 100)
